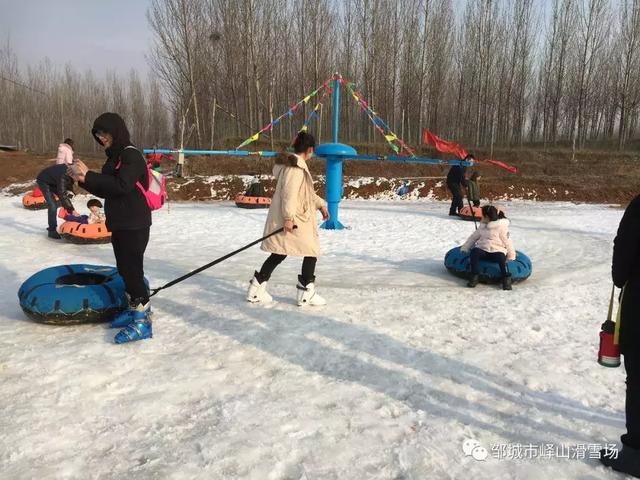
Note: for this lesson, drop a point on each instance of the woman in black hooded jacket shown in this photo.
(128, 217)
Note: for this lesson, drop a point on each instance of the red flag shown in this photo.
(443, 145)
(501, 165)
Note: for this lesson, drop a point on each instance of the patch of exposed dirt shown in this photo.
(597, 177)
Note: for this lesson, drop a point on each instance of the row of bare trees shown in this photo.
(482, 71)
(42, 105)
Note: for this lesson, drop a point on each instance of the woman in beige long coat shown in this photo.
(293, 207)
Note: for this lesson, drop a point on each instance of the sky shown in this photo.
(101, 35)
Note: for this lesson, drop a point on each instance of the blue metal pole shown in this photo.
(335, 127)
(333, 176)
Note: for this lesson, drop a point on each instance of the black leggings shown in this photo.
(128, 248)
(478, 254)
(270, 264)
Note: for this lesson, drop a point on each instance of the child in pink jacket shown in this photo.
(490, 242)
(65, 152)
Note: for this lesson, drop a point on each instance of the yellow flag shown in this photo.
(306, 99)
(390, 137)
(255, 137)
(304, 128)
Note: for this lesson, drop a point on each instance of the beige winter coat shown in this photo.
(492, 237)
(294, 199)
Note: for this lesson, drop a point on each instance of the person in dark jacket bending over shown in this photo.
(456, 179)
(55, 181)
(626, 273)
(128, 218)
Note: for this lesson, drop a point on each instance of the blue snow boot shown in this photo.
(137, 312)
(136, 330)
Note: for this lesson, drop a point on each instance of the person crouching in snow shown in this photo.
(490, 242)
(293, 207)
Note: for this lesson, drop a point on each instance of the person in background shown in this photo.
(52, 181)
(255, 189)
(473, 189)
(456, 179)
(65, 152)
(293, 207)
(490, 242)
(154, 159)
(404, 189)
(128, 218)
(626, 274)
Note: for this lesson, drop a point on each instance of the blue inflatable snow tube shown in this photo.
(72, 294)
(458, 263)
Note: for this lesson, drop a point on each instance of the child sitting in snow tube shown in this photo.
(95, 216)
(490, 242)
(84, 229)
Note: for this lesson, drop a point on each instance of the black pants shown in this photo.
(51, 205)
(270, 264)
(478, 254)
(457, 202)
(632, 404)
(129, 247)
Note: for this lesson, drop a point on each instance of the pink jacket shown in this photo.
(65, 154)
(492, 237)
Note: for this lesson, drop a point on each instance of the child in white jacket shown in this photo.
(490, 242)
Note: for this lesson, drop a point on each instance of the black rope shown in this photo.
(215, 262)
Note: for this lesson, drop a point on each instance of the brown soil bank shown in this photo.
(595, 176)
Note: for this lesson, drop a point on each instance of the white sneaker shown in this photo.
(308, 296)
(258, 292)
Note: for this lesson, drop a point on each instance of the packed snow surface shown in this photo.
(385, 382)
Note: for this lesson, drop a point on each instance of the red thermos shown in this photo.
(609, 351)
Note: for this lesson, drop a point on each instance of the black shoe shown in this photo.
(506, 282)
(53, 234)
(453, 214)
(474, 279)
(627, 460)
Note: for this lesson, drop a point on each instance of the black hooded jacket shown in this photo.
(125, 205)
(626, 273)
(457, 175)
(59, 183)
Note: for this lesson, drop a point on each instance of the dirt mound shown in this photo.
(598, 177)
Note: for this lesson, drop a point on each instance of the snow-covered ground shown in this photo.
(386, 382)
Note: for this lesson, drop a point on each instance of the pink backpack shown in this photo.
(156, 194)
